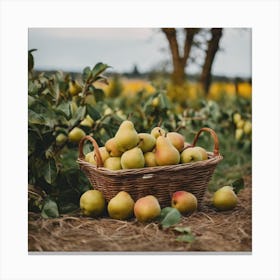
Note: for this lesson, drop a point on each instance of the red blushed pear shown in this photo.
(147, 208)
(166, 153)
(184, 201)
(177, 140)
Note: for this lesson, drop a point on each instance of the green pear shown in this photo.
(177, 140)
(166, 153)
(225, 198)
(190, 155)
(202, 151)
(150, 159)
(133, 158)
(126, 137)
(147, 142)
(76, 134)
(89, 157)
(184, 201)
(240, 124)
(236, 118)
(238, 134)
(87, 121)
(113, 163)
(147, 208)
(158, 131)
(92, 203)
(112, 149)
(60, 139)
(121, 206)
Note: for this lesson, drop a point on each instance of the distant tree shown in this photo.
(180, 59)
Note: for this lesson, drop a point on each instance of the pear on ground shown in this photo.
(147, 142)
(121, 206)
(126, 137)
(133, 158)
(166, 153)
(225, 198)
(113, 163)
(191, 155)
(112, 149)
(150, 159)
(184, 201)
(177, 140)
(158, 131)
(147, 208)
(92, 203)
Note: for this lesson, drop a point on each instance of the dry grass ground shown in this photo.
(228, 231)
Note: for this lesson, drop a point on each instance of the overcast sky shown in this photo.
(71, 49)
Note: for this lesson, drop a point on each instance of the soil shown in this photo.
(214, 231)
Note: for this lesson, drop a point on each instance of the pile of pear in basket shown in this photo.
(156, 163)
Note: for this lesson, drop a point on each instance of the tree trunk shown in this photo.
(179, 62)
(213, 46)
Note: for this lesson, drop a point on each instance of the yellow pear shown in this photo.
(150, 159)
(60, 139)
(147, 208)
(113, 163)
(238, 134)
(225, 198)
(112, 149)
(133, 158)
(247, 127)
(158, 131)
(74, 88)
(91, 157)
(92, 203)
(236, 118)
(76, 134)
(87, 121)
(121, 206)
(190, 155)
(177, 140)
(166, 153)
(126, 137)
(147, 142)
(203, 152)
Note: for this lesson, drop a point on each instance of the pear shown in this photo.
(247, 127)
(126, 137)
(158, 131)
(166, 153)
(238, 134)
(91, 157)
(202, 151)
(121, 206)
(112, 149)
(133, 158)
(184, 201)
(92, 203)
(147, 208)
(150, 159)
(147, 142)
(190, 155)
(74, 88)
(76, 134)
(87, 121)
(225, 198)
(60, 139)
(113, 163)
(177, 140)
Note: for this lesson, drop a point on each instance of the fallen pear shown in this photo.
(225, 198)
(184, 201)
(121, 206)
(92, 203)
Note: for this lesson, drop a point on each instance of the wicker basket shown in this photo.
(160, 181)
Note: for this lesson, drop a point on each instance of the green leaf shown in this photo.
(50, 209)
(50, 171)
(35, 118)
(188, 237)
(238, 185)
(169, 216)
(64, 107)
(98, 69)
(86, 74)
(78, 115)
(94, 114)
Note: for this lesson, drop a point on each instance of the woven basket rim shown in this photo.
(178, 167)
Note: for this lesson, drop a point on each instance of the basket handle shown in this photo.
(214, 136)
(99, 161)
